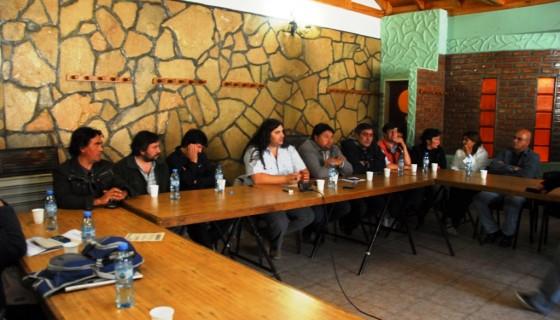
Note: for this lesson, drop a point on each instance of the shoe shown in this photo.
(492, 237)
(506, 241)
(275, 254)
(527, 302)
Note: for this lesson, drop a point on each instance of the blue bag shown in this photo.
(97, 260)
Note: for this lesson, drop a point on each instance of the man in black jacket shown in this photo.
(86, 181)
(141, 168)
(12, 243)
(196, 172)
(364, 155)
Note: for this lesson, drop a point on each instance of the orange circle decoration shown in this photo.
(403, 101)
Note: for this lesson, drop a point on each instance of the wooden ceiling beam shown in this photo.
(356, 7)
(421, 4)
(385, 5)
(494, 2)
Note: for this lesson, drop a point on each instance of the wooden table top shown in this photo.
(196, 282)
(238, 201)
(495, 183)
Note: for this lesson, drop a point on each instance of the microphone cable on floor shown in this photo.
(344, 292)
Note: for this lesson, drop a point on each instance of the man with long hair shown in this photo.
(269, 161)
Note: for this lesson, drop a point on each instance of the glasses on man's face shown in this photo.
(518, 138)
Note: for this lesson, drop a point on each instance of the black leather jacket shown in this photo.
(76, 188)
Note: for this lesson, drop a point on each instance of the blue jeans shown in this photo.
(549, 290)
(512, 208)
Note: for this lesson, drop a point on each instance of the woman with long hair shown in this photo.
(459, 199)
(269, 161)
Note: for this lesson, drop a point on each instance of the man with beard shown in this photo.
(141, 168)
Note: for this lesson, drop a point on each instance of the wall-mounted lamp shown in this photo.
(305, 32)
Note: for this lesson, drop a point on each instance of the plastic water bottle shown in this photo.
(469, 166)
(124, 273)
(219, 176)
(88, 228)
(426, 163)
(51, 211)
(174, 184)
(400, 167)
(333, 177)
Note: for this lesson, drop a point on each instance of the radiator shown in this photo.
(25, 192)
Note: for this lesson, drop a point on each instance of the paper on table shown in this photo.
(157, 236)
(352, 179)
(34, 249)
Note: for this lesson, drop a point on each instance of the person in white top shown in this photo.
(471, 146)
(269, 161)
(459, 199)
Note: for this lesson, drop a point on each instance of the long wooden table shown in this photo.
(495, 183)
(196, 282)
(239, 201)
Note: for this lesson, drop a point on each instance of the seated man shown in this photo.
(392, 145)
(141, 168)
(85, 180)
(12, 241)
(319, 154)
(269, 161)
(518, 161)
(196, 172)
(364, 155)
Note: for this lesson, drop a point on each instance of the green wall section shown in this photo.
(408, 42)
(529, 28)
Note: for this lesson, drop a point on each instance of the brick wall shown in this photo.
(430, 98)
(516, 73)
(555, 139)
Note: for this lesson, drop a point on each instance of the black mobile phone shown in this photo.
(61, 238)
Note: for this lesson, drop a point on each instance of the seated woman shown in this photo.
(197, 172)
(269, 161)
(459, 199)
(421, 200)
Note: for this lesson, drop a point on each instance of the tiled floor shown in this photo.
(478, 283)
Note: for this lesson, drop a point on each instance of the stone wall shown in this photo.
(43, 41)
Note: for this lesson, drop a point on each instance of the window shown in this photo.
(543, 117)
(488, 114)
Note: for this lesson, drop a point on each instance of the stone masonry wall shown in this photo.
(45, 40)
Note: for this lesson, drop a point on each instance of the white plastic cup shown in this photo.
(221, 184)
(387, 172)
(38, 215)
(154, 190)
(434, 167)
(483, 173)
(369, 175)
(70, 247)
(320, 185)
(413, 168)
(162, 313)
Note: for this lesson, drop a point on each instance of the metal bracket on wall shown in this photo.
(96, 78)
(349, 91)
(178, 81)
(237, 84)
